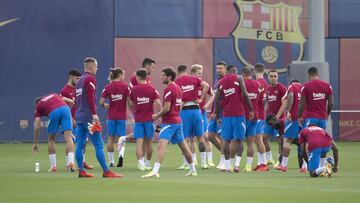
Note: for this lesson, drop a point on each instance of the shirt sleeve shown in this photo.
(63, 93)
(303, 91)
(133, 82)
(156, 94)
(104, 93)
(37, 112)
(167, 95)
(90, 86)
(302, 137)
(330, 90)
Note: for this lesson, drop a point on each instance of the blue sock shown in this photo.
(99, 149)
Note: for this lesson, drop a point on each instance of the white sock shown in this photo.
(258, 159)
(111, 157)
(322, 162)
(122, 139)
(284, 161)
(269, 156)
(84, 157)
(156, 167)
(304, 164)
(67, 160)
(320, 170)
(52, 158)
(192, 167)
(227, 164)
(222, 158)
(141, 162)
(263, 158)
(203, 157)
(71, 157)
(122, 152)
(237, 161)
(209, 156)
(194, 157)
(249, 160)
(147, 162)
(185, 161)
(231, 161)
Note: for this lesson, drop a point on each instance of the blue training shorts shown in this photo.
(270, 131)
(233, 128)
(59, 118)
(192, 122)
(251, 128)
(260, 127)
(205, 121)
(322, 123)
(292, 130)
(314, 158)
(142, 129)
(172, 133)
(116, 128)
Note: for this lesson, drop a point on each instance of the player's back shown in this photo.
(143, 97)
(232, 102)
(70, 93)
(133, 81)
(316, 93)
(253, 88)
(295, 88)
(189, 86)
(315, 137)
(48, 103)
(116, 92)
(172, 94)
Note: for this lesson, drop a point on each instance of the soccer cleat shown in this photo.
(71, 167)
(281, 168)
(256, 168)
(330, 160)
(196, 162)
(263, 167)
(87, 166)
(94, 127)
(303, 170)
(183, 167)
(148, 167)
(222, 167)
(84, 174)
(110, 174)
(236, 169)
(120, 162)
(277, 163)
(204, 166)
(247, 168)
(191, 173)
(328, 169)
(270, 163)
(111, 165)
(211, 163)
(151, 174)
(141, 168)
(52, 169)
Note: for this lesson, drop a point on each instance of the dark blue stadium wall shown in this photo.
(36, 51)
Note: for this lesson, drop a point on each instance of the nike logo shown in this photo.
(3, 23)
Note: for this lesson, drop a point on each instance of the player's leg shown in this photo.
(239, 151)
(314, 163)
(79, 151)
(192, 147)
(52, 152)
(149, 134)
(139, 134)
(110, 150)
(121, 133)
(186, 128)
(261, 152)
(187, 153)
(70, 148)
(198, 131)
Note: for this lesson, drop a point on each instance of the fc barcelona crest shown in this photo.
(268, 34)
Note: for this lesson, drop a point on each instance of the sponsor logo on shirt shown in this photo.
(116, 97)
(271, 98)
(143, 100)
(78, 92)
(252, 95)
(318, 96)
(229, 92)
(178, 102)
(187, 88)
(299, 96)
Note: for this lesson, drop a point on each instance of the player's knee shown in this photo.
(201, 146)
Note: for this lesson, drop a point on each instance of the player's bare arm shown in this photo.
(130, 104)
(217, 106)
(70, 102)
(282, 107)
(210, 100)
(290, 101)
(37, 125)
(205, 89)
(336, 156)
(163, 111)
(301, 108)
(246, 96)
(157, 105)
(303, 148)
(103, 104)
(329, 104)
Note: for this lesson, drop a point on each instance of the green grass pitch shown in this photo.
(19, 182)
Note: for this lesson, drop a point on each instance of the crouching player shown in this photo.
(318, 143)
(54, 106)
(143, 97)
(171, 130)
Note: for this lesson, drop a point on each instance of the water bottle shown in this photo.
(37, 166)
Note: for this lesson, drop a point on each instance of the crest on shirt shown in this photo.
(268, 34)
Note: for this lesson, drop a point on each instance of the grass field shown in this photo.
(19, 182)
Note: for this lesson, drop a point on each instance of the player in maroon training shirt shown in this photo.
(54, 107)
(197, 70)
(191, 114)
(276, 104)
(317, 96)
(117, 92)
(171, 130)
(143, 97)
(317, 142)
(259, 71)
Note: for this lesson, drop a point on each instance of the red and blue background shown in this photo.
(53, 36)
